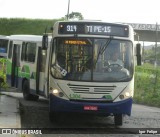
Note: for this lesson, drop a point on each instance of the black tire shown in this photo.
(26, 92)
(118, 120)
(34, 97)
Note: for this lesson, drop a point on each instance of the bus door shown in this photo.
(15, 65)
(41, 68)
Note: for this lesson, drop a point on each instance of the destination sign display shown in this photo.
(93, 28)
(76, 42)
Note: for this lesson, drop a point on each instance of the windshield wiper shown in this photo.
(103, 48)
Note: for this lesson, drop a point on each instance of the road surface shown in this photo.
(35, 115)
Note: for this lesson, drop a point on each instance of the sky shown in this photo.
(127, 11)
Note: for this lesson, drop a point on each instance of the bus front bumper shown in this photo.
(61, 105)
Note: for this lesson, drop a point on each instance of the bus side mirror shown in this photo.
(44, 42)
(139, 54)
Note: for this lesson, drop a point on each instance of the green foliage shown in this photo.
(3, 73)
(75, 15)
(25, 26)
(150, 54)
(3, 68)
(147, 85)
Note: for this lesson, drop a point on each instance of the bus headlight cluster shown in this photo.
(121, 96)
(125, 95)
(57, 92)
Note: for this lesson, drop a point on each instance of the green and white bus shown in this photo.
(73, 69)
(26, 65)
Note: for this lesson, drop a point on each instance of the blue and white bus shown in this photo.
(82, 77)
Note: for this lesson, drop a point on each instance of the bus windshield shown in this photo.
(92, 59)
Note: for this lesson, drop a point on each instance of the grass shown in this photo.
(147, 85)
(25, 26)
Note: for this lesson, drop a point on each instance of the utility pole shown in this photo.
(143, 55)
(156, 44)
(68, 9)
(155, 85)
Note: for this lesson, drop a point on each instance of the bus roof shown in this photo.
(26, 37)
(4, 37)
(93, 21)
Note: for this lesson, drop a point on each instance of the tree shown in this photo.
(75, 15)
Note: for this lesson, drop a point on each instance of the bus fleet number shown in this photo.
(71, 28)
(75, 96)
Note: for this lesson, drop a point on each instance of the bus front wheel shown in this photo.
(118, 120)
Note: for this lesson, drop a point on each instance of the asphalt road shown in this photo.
(35, 115)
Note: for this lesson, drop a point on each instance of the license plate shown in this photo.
(93, 108)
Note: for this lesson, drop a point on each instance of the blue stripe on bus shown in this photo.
(61, 105)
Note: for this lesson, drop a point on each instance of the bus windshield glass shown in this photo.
(92, 59)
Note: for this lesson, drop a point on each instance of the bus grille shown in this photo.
(91, 89)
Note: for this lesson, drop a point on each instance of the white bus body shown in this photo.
(26, 65)
(80, 78)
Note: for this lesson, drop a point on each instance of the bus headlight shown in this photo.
(124, 95)
(121, 96)
(55, 91)
(127, 94)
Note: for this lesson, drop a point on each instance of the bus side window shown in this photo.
(23, 51)
(10, 49)
(31, 57)
(30, 52)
